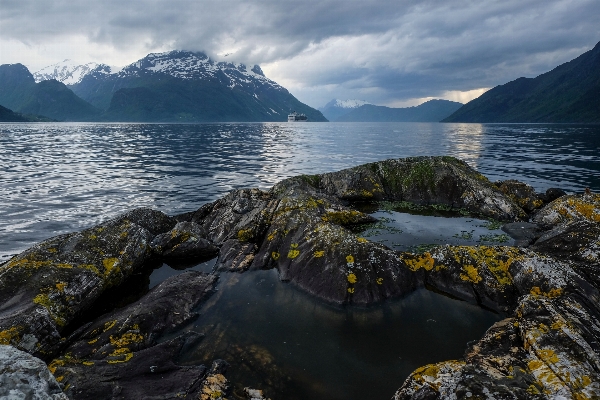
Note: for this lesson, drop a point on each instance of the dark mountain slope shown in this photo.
(568, 93)
(430, 111)
(7, 115)
(19, 92)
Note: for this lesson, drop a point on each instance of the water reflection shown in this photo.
(295, 347)
(468, 141)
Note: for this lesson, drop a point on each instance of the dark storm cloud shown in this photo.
(389, 50)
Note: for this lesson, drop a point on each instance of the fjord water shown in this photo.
(62, 177)
(58, 178)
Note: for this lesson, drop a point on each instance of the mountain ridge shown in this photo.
(430, 111)
(173, 86)
(336, 108)
(569, 92)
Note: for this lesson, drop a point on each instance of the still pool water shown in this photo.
(293, 346)
(58, 178)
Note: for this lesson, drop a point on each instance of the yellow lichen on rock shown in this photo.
(109, 265)
(495, 259)
(213, 387)
(471, 274)
(319, 253)
(433, 375)
(351, 278)
(424, 261)
(126, 339)
(109, 325)
(293, 253)
(10, 335)
(244, 235)
(551, 294)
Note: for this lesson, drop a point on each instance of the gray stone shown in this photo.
(23, 376)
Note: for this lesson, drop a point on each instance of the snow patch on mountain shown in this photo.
(196, 65)
(67, 72)
(347, 103)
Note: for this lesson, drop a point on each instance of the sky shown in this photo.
(387, 52)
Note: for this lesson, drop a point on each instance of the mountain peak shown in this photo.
(66, 71)
(184, 64)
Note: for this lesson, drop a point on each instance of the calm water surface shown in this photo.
(58, 178)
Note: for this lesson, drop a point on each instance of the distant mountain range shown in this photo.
(177, 86)
(352, 111)
(568, 93)
(336, 108)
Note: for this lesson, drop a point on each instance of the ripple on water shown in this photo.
(64, 177)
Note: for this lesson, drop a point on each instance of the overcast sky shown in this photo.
(387, 52)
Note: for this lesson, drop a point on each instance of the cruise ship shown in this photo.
(295, 117)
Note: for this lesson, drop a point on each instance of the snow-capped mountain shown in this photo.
(188, 86)
(67, 72)
(195, 65)
(336, 108)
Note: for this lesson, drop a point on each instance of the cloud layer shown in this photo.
(382, 51)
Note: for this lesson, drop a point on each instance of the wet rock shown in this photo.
(242, 215)
(522, 194)
(574, 240)
(571, 207)
(184, 242)
(46, 287)
(317, 253)
(23, 376)
(524, 233)
(123, 353)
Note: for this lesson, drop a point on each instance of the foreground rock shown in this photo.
(549, 347)
(123, 354)
(48, 286)
(23, 376)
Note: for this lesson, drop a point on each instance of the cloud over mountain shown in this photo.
(381, 51)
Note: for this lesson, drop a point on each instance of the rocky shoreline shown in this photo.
(58, 299)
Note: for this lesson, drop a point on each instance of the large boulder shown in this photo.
(45, 288)
(422, 180)
(301, 225)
